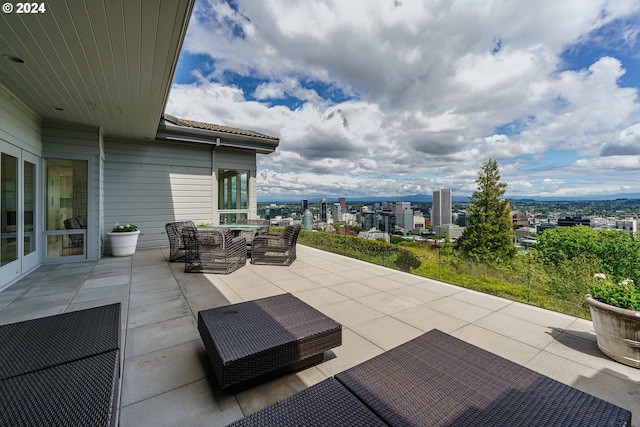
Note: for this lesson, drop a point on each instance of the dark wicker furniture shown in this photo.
(326, 404)
(213, 250)
(439, 380)
(62, 369)
(276, 249)
(174, 233)
(254, 341)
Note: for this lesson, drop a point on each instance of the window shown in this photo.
(233, 191)
(66, 207)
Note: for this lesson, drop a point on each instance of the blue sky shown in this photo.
(399, 97)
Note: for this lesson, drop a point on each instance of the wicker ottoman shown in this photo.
(254, 341)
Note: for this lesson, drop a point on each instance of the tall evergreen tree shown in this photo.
(488, 236)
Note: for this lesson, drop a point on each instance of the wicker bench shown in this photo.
(439, 380)
(252, 342)
(62, 369)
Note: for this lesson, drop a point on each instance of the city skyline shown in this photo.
(404, 97)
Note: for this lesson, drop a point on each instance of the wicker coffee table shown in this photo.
(254, 341)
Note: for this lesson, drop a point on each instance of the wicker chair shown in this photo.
(276, 249)
(213, 250)
(174, 232)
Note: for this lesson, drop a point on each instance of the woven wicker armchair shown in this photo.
(213, 250)
(174, 232)
(276, 249)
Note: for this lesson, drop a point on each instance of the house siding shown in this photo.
(152, 183)
(19, 126)
(68, 141)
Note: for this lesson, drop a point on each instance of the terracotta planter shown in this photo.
(617, 331)
(123, 243)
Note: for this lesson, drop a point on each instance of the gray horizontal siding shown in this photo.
(151, 183)
(19, 126)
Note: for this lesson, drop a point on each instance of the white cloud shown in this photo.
(434, 89)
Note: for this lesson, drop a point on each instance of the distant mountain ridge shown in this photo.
(428, 198)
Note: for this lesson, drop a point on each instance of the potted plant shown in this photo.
(615, 311)
(124, 239)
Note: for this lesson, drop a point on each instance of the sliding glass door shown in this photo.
(18, 212)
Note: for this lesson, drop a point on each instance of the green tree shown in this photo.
(488, 236)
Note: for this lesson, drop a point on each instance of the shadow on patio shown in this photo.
(167, 379)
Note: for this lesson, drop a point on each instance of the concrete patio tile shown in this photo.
(354, 289)
(459, 309)
(119, 291)
(297, 285)
(321, 297)
(32, 308)
(152, 273)
(388, 303)
(205, 302)
(518, 329)
(154, 284)
(480, 299)
(124, 309)
(598, 382)
(9, 295)
(157, 372)
(337, 267)
(586, 352)
(382, 283)
(362, 276)
(416, 293)
(508, 348)
(538, 315)
(310, 271)
(350, 313)
(259, 290)
(103, 281)
(194, 404)
(263, 395)
(329, 279)
(198, 285)
(141, 299)
(441, 288)
(582, 328)
(387, 332)
(354, 350)
(402, 277)
(154, 313)
(426, 319)
(161, 335)
(47, 288)
(272, 275)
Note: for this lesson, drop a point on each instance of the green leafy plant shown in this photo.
(117, 228)
(624, 295)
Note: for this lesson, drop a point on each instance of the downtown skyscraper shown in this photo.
(441, 209)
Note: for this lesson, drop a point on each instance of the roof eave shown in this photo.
(170, 132)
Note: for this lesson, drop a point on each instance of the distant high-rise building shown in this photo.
(343, 204)
(323, 210)
(337, 212)
(307, 220)
(441, 210)
(404, 215)
(304, 205)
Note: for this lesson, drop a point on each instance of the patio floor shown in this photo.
(166, 378)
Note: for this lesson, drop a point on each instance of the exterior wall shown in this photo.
(69, 141)
(19, 126)
(151, 183)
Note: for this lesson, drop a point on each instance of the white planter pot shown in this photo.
(123, 243)
(617, 331)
